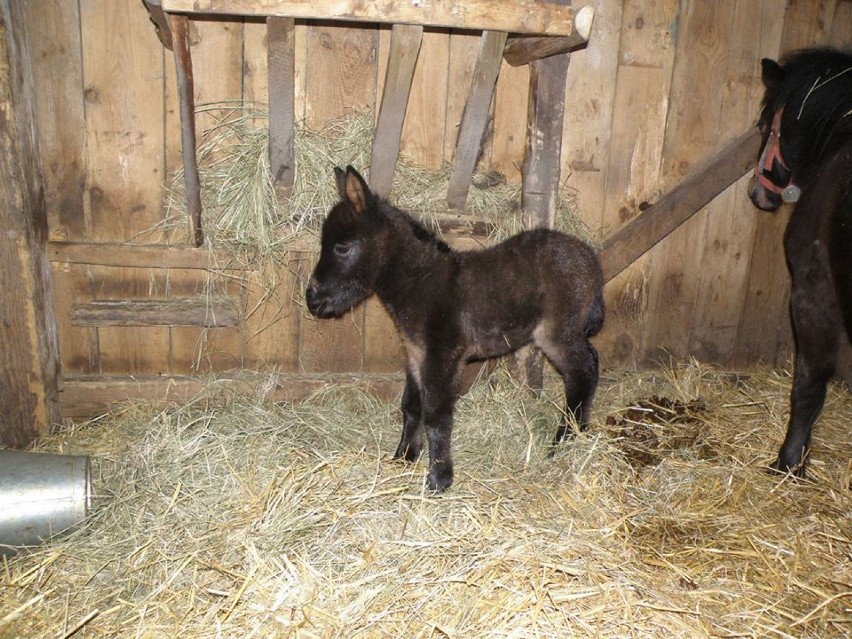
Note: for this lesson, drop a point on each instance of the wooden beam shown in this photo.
(161, 22)
(661, 218)
(180, 311)
(90, 396)
(139, 255)
(524, 49)
(475, 117)
(404, 48)
(522, 16)
(280, 52)
(29, 355)
(186, 91)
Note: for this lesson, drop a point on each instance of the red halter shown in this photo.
(772, 152)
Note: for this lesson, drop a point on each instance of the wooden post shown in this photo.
(404, 48)
(475, 117)
(282, 111)
(541, 170)
(186, 88)
(29, 359)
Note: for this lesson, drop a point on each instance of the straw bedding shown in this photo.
(243, 214)
(242, 518)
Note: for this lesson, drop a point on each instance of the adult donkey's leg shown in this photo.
(411, 442)
(817, 326)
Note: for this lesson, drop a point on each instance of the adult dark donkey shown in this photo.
(807, 159)
(541, 287)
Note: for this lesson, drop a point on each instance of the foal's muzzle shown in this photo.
(316, 301)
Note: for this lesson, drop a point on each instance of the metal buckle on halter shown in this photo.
(791, 193)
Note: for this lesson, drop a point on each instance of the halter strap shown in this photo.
(772, 153)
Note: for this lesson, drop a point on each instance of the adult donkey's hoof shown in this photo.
(781, 467)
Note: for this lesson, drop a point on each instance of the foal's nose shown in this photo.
(311, 290)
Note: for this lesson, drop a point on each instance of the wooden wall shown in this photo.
(661, 86)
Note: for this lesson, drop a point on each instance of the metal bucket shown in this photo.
(41, 495)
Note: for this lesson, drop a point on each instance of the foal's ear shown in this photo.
(771, 72)
(352, 188)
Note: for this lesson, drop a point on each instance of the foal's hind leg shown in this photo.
(577, 361)
(817, 332)
(411, 443)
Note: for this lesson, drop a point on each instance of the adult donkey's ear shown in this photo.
(771, 73)
(354, 190)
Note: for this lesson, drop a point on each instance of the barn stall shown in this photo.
(171, 348)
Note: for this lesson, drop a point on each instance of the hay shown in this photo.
(248, 519)
(241, 212)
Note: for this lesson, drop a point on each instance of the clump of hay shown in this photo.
(241, 212)
(250, 519)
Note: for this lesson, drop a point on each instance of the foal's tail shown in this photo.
(595, 314)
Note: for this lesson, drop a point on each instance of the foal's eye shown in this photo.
(342, 250)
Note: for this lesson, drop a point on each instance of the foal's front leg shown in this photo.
(411, 442)
(440, 388)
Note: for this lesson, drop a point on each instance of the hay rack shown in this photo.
(537, 33)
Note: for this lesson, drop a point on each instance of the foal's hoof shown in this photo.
(408, 453)
(438, 482)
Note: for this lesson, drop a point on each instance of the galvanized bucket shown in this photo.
(41, 495)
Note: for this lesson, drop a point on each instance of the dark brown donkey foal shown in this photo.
(450, 307)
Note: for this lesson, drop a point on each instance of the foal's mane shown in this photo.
(816, 94)
(421, 233)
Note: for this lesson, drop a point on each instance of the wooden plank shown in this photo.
(273, 316)
(678, 205)
(475, 119)
(281, 36)
(340, 80)
(29, 358)
(587, 132)
(404, 48)
(53, 33)
(340, 73)
(524, 49)
(722, 280)
(841, 26)
(693, 132)
(633, 174)
(92, 396)
(464, 53)
(425, 122)
(218, 50)
(182, 311)
(186, 92)
(520, 17)
(123, 86)
(509, 126)
(140, 255)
